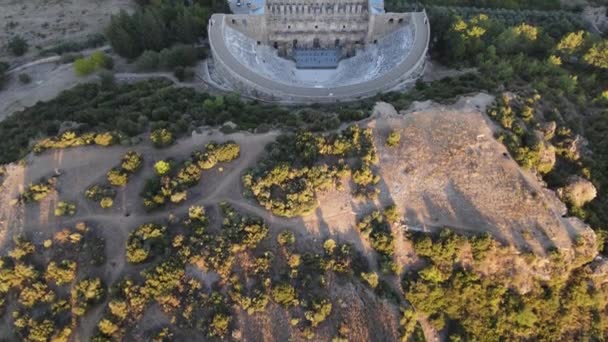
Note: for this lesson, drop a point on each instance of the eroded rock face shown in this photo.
(578, 192)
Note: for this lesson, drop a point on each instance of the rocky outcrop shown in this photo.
(577, 192)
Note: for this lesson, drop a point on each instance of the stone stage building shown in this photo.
(316, 51)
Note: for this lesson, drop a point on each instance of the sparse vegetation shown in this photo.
(171, 184)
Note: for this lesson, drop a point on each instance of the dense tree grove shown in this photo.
(159, 25)
(299, 166)
(570, 306)
(131, 109)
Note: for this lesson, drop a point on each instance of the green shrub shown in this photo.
(321, 309)
(38, 192)
(62, 273)
(98, 192)
(147, 239)
(104, 139)
(286, 237)
(148, 61)
(18, 46)
(161, 138)
(97, 60)
(117, 177)
(25, 78)
(219, 325)
(64, 208)
(285, 295)
(162, 167)
(106, 202)
(131, 162)
(393, 139)
(85, 294)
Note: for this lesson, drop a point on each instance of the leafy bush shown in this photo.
(131, 162)
(98, 192)
(117, 177)
(371, 278)
(286, 238)
(97, 60)
(148, 239)
(25, 78)
(18, 46)
(162, 167)
(321, 309)
(285, 295)
(62, 273)
(393, 139)
(161, 138)
(39, 191)
(106, 202)
(85, 294)
(64, 208)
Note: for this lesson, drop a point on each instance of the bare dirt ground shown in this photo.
(44, 23)
(448, 171)
(48, 80)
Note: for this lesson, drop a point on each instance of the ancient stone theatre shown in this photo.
(316, 51)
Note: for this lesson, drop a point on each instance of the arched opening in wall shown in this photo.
(316, 26)
(233, 21)
(400, 20)
(315, 43)
(295, 43)
(276, 45)
(259, 42)
(375, 41)
(391, 20)
(343, 27)
(289, 27)
(337, 43)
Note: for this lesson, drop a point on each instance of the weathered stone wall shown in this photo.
(253, 26)
(382, 24)
(305, 24)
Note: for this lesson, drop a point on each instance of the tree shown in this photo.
(150, 28)
(285, 295)
(597, 55)
(161, 138)
(219, 325)
(131, 162)
(162, 167)
(18, 46)
(286, 237)
(393, 139)
(118, 177)
(571, 43)
(106, 202)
